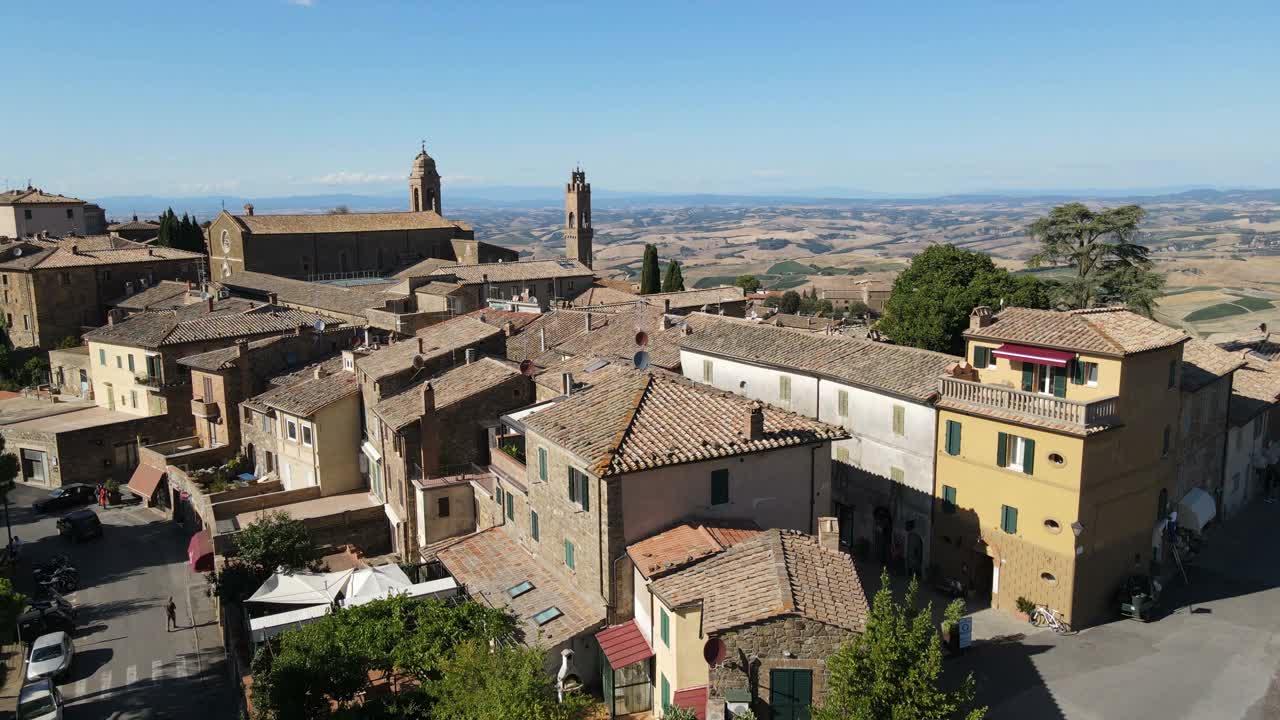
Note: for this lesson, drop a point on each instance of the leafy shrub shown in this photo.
(952, 614)
(1026, 607)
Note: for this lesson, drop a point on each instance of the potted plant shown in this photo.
(1026, 607)
(951, 625)
(113, 492)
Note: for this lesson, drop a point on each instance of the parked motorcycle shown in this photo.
(60, 582)
(950, 587)
(42, 574)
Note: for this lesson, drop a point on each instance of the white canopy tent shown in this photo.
(302, 588)
(374, 583)
(1196, 509)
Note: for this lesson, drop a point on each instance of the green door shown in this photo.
(790, 694)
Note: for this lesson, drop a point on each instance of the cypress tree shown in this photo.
(674, 280)
(649, 271)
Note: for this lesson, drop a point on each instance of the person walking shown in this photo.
(171, 612)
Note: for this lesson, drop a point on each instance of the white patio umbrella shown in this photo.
(375, 583)
(302, 588)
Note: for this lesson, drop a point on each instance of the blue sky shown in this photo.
(271, 97)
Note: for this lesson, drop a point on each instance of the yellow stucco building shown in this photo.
(1055, 455)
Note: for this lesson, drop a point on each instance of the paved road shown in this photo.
(1216, 655)
(127, 665)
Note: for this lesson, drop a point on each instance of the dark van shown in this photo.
(80, 525)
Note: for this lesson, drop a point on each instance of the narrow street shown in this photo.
(127, 664)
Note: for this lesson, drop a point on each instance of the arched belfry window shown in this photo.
(431, 201)
(417, 201)
(570, 219)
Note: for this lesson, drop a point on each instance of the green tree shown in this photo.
(504, 683)
(35, 371)
(674, 279)
(1101, 249)
(891, 671)
(790, 302)
(11, 604)
(649, 271)
(749, 283)
(931, 300)
(271, 542)
(339, 210)
(168, 233)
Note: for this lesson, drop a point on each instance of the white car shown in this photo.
(50, 656)
(40, 700)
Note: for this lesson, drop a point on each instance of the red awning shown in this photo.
(145, 480)
(623, 645)
(1028, 353)
(200, 551)
(694, 698)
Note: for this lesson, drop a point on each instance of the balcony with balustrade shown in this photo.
(1037, 408)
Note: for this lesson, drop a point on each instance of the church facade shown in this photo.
(310, 247)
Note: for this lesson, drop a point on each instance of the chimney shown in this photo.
(566, 383)
(666, 305)
(248, 209)
(542, 339)
(242, 347)
(151, 250)
(828, 533)
(665, 323)
(189, 284)
(755, 421)
(508, 328)
(208, 304)
(588, 314)
(422, 348)
(135, 217)
(429, 432)
(111, 317)
(980, 317)
(75, 249)
(318, 373)
(471, 355)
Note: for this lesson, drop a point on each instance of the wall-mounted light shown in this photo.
(1077, 528)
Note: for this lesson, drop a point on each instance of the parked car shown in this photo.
(80, 525)
(50, 656)
(65, 497)
(40, 700)
(39, 621)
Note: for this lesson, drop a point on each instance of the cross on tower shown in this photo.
(424, 145)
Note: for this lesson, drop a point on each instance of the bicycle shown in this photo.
(1046, 617)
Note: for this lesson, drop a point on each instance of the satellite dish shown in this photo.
(642, 338)
(641, 359)
(17, 252)
(527, 368)
(319, 326)
(713, 651)
(418, 362)
(1262, 328)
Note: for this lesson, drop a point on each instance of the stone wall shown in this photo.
(808, 641)
(64, 372)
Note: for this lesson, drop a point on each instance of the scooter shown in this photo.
(950, 587)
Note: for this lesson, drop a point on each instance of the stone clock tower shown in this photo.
(577, 209)
(424, 184)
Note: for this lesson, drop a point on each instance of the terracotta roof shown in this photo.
(515, 271)
(499, 318)
(488, 563)
(1103, 331)
(164, 294)
(34, 196)
(351, 301)
(223, 358)
(347, 222)
(904, 371)
(1261, 348)
(309, 396)
(134, 224)
(431, 342)
(1203, 362)
(451, 386)
(778, 572)
(191, 323)
(687, 543)
(617, 339)
(553, 328)
(577, 365)
(91, 251)
(644, 420)
(623, 645)
(1254, 389)
(603, 295)
(330, 365)
(423, 267)
(682, 300)
(800, 322)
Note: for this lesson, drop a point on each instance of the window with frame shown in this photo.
(130, 362)
(842, 403)
(26, 322)
(953, 437)
(306, 435)
(542, 464)
(119, 362)
(948, 499)
(569, 560)
(579, 489)
(899, 420)
(1084, 373)
(534, 530)
(70, 214)
(291, 430)
(784, 388)
(511, 506)
(501, 498)
(442, 507)
(707, 371)
(65, 278)
(1044, 379)
(102, 357)
(1015, 453)
(720, 487)
(133, 398)
(664, 627)
(1009, 519)
(982, 357)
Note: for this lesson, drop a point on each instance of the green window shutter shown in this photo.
(1009, 519)
(511, 506)
(899, 420)
(542, 464)
(573, 487)
(1002, 449)
(584, 495)
(842, 403)
(497, 495)
(898, 475)
(1059, 382)
(664, 627)
(719, 487)
(1077, 372)
(1029, 456)
(1028, 376)
(953, 437)
(981, 356)
(533, 525)
(948, 499)
(666, 690)
(568, 555)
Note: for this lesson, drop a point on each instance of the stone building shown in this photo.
(54, 289)
(1206, 383)
(882, 395)
(431, 435)
(71, 373)
(1253, 432)
(578, 232)
(32, 212)
(312, 247)
(723, 300)
(528, 285)
(135, 361)
(783, 599)
(135, 229)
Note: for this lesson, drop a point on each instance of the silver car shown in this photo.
(50, 656)
(40, 700)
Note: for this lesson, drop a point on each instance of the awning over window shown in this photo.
(145, 480)
(694, 698)
(1028, 353)
(623, 645)
(200, 551)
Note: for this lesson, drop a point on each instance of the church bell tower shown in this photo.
(577, 227)
(424, 184)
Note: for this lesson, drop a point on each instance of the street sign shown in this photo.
(966, 632)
